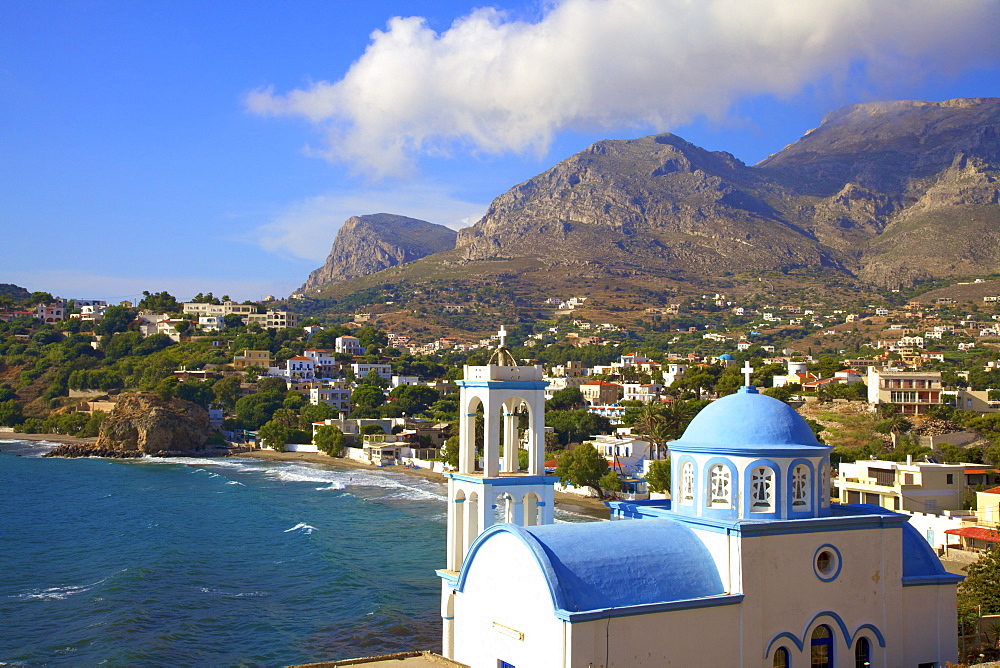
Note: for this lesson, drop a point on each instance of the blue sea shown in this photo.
(213, 562)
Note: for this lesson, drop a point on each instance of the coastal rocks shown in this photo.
(144, 424)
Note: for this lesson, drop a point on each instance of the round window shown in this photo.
(827, 563)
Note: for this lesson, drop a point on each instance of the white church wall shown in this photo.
(784, 589)
(506, 594)
(927, 634)
(695, 637)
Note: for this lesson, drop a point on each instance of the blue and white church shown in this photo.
(748, 563)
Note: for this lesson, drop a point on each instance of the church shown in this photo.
(748, 563)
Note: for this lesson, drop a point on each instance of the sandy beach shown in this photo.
(568, 502)
(51, 438)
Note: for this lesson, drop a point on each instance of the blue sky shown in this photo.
(218, 146)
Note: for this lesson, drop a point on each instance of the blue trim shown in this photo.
(849, 638)
(811, 495)
(449, 576)
(925, 580)
(512, 481)
(649, 608)
(706, 509)
(844, 518)
(776, 490)
(504, 384)
(687, 508)
(763, 450)
(840, 562)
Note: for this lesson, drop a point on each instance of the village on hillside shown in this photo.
(911, 403)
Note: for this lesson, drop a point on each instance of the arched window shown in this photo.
(761, 489)
(800, 487)
(781, 658)
(862, 653)
(687, 483)
(720, 487)
(821, 654)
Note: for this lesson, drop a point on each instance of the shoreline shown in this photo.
(48, 438)
(569, 502)
(572, 503)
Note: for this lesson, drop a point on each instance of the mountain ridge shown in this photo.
(888, 193)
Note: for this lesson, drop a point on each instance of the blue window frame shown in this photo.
(821, 651)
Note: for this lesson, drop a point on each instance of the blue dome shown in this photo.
(658, 561)
(727, 357)
(748, 421)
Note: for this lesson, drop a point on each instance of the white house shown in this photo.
(748, 564)
(348, 345)
(362, 370)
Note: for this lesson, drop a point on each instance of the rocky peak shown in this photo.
(367, 244)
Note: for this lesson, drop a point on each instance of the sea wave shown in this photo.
(303, 527)
(60, 593)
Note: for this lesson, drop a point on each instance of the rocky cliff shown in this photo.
(889, 192)
(144, 424)
(367, 244)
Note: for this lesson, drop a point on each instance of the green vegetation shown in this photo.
(330, 440)
(584, 467)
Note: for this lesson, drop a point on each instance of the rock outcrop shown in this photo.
(144, 424)
(367, 244)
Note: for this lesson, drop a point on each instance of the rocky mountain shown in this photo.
(888, 192)
(367, 244)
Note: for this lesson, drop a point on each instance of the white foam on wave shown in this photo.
(235, 482)
(61, 593)
(204, 463)
(303, 527)
(229, 594)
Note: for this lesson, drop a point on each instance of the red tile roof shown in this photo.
(978, 533)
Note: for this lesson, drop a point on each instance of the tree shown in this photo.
(371, 429)
(274, 435)
(254, 410)
(366, 399)
(196, 392)
(312, 413)
(567, 399)
(575, 426)
(413, 399)
(375, 380)
(658, 476)
(449, 453)
(159, 302)
(981, 586)
(330, 440)
(10, 413)
(226, 392)
(116, 319)
(610, 482)
(582, 467)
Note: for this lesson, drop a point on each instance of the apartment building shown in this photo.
(921, 487)
(915, 392)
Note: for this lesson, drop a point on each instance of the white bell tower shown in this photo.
(495, 489)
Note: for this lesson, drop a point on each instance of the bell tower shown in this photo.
(494, 488)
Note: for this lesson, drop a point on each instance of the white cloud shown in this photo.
(496, 85)
(306, 229)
